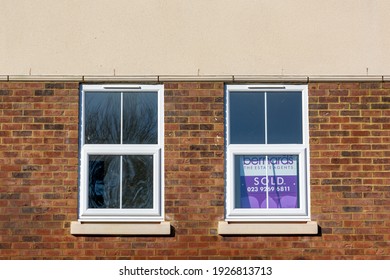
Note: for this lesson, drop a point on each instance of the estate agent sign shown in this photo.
(269, 181)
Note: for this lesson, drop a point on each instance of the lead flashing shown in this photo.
(386, 78)
(200, 78)
(62, 78)
(194, 78)
(347, 78)
(91, 78)
(271, 78)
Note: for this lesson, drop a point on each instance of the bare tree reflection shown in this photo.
(104, 181)
(137, 182)
(103, 126)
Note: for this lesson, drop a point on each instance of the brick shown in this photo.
(53, 126)
(349, 176)
(44, 93)
(5, 92)
(54, 85)
(352, 209)
(328, 86)
(350, 154)
(341, 188)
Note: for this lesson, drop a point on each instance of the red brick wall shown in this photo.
(38, 169)
(350, 168)
(350, 184)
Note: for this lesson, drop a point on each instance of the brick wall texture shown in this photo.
(350, 177)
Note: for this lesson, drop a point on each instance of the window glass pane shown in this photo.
(104, 181)
(247, 118)
(137, 181)
(284, 118)
(265, 182)
(140, 118)
(249, 171)
(102, 118)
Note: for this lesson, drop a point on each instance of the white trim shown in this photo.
(120, 78)
(302, 150)
(154, 214)
(123, 88)
(300, 214)
(87, 214)
(46, 78)
(200, 78)
(196, 78)
(346, 78)
(265, 117)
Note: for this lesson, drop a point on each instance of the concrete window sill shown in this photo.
(95, 228)
(267, 228)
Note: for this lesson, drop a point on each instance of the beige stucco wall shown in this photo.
(191, 37)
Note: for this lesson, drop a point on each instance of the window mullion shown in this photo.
(267, 182)
(266, 157)
(121, 158)
(120, 181)
(121, 128)
(265, 119)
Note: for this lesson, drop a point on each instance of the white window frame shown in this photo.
(154, 214)
(301, 150)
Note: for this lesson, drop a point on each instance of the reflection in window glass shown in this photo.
(104, 184)
(137, 181)
(284, 118)
(140, 118)
(102, 118)
(266, 181)
(247, 118)
(103, 123)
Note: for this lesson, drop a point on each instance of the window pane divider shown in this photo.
(121, 159)
(265, 119)
(121, 118)
(120, 182)
(266, 187)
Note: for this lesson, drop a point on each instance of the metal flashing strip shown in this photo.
(62, 78)
(386, 78)
(347, 78)
(271, 78)
(196, 78)
(146, 78)
(200, 78)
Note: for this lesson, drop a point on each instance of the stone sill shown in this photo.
(267, 228)
(96, 228)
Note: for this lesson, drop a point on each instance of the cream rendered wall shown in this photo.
(195, 37)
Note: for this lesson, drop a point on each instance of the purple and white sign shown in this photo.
(269, 181)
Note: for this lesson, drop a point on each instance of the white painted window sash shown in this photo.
(156, 150)
(301, 150)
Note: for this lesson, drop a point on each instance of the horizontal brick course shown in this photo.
(350, 181)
